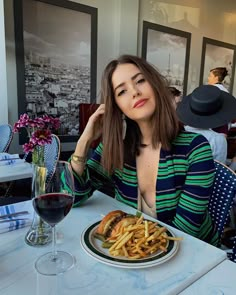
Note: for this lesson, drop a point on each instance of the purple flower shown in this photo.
(36, 123)
(39, 130)
(54, 123)
(41, 137)
(28, 147)
(22, 122)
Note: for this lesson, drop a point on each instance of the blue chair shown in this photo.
(51, 156)
(233, 255)
(221, 200)
(6, 135)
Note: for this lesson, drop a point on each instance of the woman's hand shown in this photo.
(93, 129)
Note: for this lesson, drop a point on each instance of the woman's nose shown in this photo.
(135, 91)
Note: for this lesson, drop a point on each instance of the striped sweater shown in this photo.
(184, 184)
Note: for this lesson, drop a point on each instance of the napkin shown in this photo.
(10, 159)
(23, 220)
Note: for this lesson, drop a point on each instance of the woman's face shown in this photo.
(133, 93)
(212, 79)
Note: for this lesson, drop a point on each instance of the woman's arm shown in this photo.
(92, 131)
(93, 178)
(88, 174)
(192, 207)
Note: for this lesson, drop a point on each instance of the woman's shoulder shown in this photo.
(188, 138)
(188, 142)
(189, 145)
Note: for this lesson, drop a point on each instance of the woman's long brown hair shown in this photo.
(164, 120)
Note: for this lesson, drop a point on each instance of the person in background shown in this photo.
(176, 94)
(216, 77)
(205, 108)
(152, 165)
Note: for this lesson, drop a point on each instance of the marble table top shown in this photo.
(220, 280)
(89, 276)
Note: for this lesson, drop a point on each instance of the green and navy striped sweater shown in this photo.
(184, 184)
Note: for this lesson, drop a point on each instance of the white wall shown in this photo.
(3, 75)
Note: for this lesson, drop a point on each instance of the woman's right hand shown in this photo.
(93, 129)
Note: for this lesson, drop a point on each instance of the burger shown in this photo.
(112, 223)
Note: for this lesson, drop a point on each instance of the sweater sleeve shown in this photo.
(191, 211)
(93, 178)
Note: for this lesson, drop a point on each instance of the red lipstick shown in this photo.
(140, 103)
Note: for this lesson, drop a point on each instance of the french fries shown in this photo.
(140, 240)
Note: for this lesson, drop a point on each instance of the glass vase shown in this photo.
(39, 233)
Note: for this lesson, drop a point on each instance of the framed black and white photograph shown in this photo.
(168, 50)
(217, 54)
(56, 59)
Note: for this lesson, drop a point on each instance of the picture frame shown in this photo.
(56, 60)
(217, 54)
(168, 50)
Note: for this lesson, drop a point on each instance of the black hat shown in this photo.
(207, 107)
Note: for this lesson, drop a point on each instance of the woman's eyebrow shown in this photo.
(132, 78)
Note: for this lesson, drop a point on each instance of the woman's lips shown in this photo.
(140, 103)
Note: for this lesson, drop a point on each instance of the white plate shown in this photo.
(93, 247)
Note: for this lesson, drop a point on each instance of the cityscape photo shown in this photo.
(57, 62)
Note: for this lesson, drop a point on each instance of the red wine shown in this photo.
(53, 207)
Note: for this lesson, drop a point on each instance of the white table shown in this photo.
(18, 276)
(15, 172)
(220, 280)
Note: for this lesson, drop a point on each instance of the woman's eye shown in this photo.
(121, 92)
(141, 81)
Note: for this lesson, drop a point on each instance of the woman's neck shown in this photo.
(146, 132)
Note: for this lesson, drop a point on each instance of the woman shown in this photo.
(216, 77)
(153, 167)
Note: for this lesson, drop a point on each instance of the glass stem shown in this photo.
(54, 249)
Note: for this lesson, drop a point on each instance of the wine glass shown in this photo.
(52, 202)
